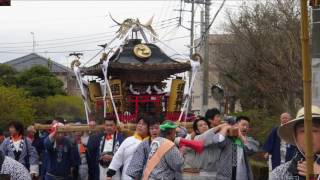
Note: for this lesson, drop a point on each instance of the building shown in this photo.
(315, 57)
(62, 72)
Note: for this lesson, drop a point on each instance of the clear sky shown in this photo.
(61, 27)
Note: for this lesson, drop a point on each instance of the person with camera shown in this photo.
(101, 148)
(236, 146)
(292, 132)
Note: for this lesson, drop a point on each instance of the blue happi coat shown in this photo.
(59, 159)
(94, 147)
(28, 155)
(272, 146)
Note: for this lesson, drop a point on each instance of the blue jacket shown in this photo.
(94, 150)
(272, 146)
(60, 159)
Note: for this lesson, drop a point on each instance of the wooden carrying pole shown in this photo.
(70, 128)
(306, 66)
(82, 127)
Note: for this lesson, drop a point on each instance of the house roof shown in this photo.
(33, 59)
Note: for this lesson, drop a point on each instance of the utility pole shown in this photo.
(193, 2)
(33, 42)
(206, 57)
(191, 50)
(202, 28)
(192, 29)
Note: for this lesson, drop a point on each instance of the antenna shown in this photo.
(33, 42)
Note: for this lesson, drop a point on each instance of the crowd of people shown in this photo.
(157, 150)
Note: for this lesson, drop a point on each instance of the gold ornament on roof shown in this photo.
(76, 63)
(142, 51)
(132, 23)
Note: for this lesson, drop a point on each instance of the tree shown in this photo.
(68, 107)
(261, 64)
(14, 105)
(40, 82)
(8, 75)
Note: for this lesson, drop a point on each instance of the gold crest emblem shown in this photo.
(142, 51)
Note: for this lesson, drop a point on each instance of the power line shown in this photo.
(170, 6)
(58, 39)
(83, 50)
(92, 36)
(55, 43)
(70, 43)
(203, 36)
(74, 44)
(49, 52)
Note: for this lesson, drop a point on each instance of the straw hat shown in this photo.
(286, 131)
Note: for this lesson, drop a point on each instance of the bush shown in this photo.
(14, 105)
(68, 107)
(40, 82)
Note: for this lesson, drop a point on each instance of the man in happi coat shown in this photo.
(61, 156)
(165, 159)
(101, 148)
(140, 157)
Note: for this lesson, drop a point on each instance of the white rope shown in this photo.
(104, 91)
(187, 109)
(82, 81)
(104, 67)
(194, 68)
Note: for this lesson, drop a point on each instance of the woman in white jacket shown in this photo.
(124, 154)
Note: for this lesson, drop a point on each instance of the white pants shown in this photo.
(83, 172)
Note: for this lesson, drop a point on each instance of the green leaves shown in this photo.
(8, 75)
(14, 105)
(40, 82)
(35, 95)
